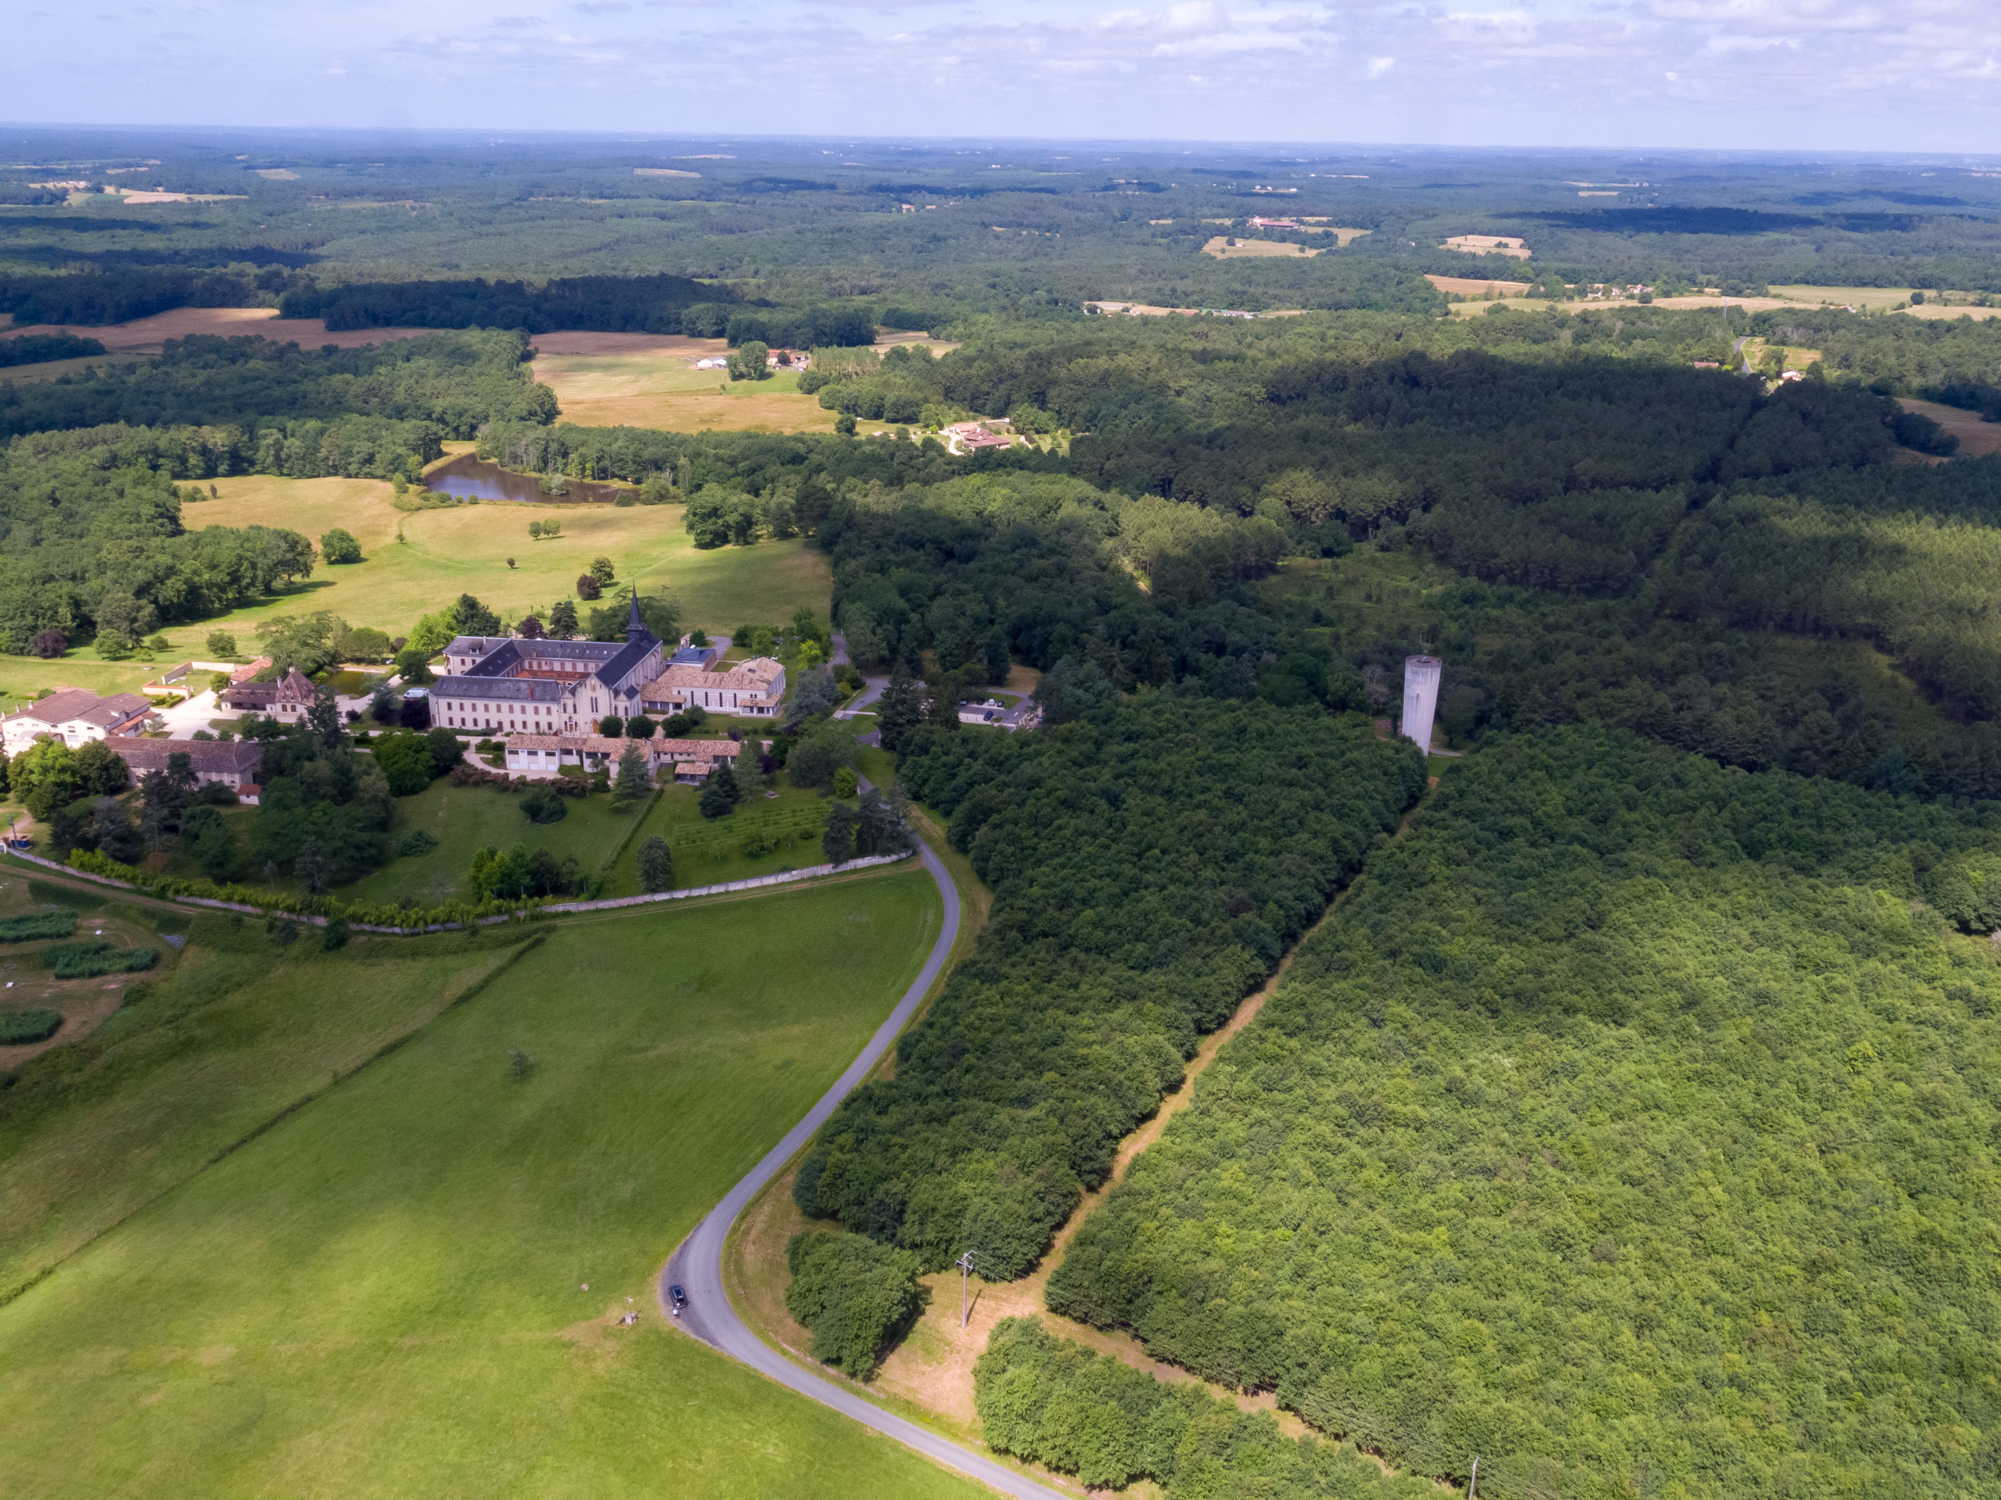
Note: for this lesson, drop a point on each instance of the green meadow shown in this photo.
(462, 549)
(410, 1285)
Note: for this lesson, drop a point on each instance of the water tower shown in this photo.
(1420, 698)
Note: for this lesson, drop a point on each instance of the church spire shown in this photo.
(635, 624)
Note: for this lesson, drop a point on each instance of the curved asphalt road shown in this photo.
(697, 1263)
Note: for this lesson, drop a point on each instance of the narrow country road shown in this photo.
(697, 1263)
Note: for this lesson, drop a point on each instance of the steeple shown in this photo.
(635, 625)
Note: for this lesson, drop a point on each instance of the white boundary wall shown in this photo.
(785, 877)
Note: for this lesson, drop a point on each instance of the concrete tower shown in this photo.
(1420, 698)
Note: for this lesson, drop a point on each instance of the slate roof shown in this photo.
(213, 756)
(500, 689)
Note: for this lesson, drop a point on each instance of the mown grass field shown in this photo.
(385, 1293)
(460, 550)
(1976, 437)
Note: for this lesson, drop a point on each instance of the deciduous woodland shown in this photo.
(1149, 868)
(1627, 1128)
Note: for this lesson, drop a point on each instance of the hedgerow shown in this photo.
(1632, 1127)
(1149, 867)
(300, 903)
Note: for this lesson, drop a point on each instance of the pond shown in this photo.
(469, 478)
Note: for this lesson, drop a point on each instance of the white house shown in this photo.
(73, 716)
(546, 754)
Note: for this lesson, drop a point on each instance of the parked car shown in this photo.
(677, 1295)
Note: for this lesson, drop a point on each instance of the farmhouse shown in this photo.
(73, 716)
(755, 688)
(521, 686)
(689, 760)
(286, 700)
(970, 437)
(230, 763)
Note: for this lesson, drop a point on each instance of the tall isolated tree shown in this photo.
(562, 625)
(656, 864)
(339, 546)
(633, 782)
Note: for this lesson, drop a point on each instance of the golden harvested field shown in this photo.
(1488, 244)
(663, 172)
(146, 335)
(460, 550)
(1343, 236)
(655, 387)
(1220, 247)
(1977, 439)
(1933, 310)
(277, 174)
(649, 380)
(1474, 286)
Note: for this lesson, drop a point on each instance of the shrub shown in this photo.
(544, 805)
(37, 925)
(18, 1028)
(857, 1295)
(416, 841)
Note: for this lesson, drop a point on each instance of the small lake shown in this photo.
(469, 478)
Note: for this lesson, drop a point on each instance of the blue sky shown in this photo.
(1919, 75)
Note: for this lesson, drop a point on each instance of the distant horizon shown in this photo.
(1156, 143)
(1788, 75)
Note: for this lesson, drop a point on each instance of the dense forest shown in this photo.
(456, 381)
(1149, 867)
(1622, 1130)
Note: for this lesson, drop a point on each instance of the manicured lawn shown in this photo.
(462, 549)
(384, 1294)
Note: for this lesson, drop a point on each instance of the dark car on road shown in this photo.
(677, 1295)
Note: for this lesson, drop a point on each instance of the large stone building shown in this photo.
(73, 716)
(514, 685)
(230, 763)
(754, 689)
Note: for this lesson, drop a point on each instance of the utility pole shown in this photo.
(1473, 1481)
(965, 1265)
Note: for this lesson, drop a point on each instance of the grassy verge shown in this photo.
(386, 1293)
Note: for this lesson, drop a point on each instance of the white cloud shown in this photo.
(1378, 66)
